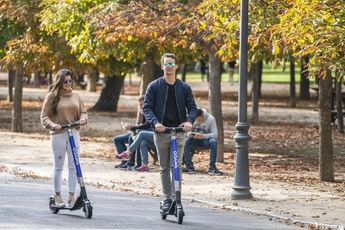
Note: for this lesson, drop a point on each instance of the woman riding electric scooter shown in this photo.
(63, 106)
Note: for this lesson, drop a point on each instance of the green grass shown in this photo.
(269, 75)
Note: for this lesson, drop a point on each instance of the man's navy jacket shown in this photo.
(156, 97)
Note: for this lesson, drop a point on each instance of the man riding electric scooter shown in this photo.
(166, 103)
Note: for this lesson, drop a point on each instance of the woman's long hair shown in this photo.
(56, 87)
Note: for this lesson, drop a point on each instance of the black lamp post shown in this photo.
(241, 187)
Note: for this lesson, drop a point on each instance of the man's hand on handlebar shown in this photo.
(187, 126)
(159, 127)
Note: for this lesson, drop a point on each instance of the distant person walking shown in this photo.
(63, 106)
(202, 67)
(231, 70)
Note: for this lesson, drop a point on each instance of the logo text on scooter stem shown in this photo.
(75, 153)
(175, 159)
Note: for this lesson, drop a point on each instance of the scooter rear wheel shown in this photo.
(164, 216)
(52, 207)
(87, 210)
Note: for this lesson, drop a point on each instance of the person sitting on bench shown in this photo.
(204, 135)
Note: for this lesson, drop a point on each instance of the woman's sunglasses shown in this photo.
(65, 82)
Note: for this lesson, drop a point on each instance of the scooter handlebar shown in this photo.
(70, 125)
(170, 129)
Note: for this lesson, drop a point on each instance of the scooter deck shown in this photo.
(171, 210)
(77, 205)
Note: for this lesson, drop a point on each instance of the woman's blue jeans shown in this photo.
(144, 141)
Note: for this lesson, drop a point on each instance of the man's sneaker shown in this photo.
(165, 205)
(120, 165)
(59, 203)
(189, 169)
(214, 171)
(125, 166)
(143, 168)
(123, 155)
(71, 201)
(132, 167)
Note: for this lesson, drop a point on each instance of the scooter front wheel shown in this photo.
(52, 207)
(87, 210)
(180, 215)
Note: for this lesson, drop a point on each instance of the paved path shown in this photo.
(24, 205)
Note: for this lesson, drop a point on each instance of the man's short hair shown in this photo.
(199, 112)
(168, 55)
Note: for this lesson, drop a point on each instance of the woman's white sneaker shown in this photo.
(59, 203)
(71, 201)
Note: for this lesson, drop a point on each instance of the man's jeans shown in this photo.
(120, 142)
(162, 142)
(210, 143)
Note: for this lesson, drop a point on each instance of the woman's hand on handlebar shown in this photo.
(56, 127)
(159, 128)
(82, 122)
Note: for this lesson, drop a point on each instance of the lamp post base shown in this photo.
(241, 194)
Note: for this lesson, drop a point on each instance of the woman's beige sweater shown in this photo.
(69, 110)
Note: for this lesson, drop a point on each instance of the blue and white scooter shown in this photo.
(176, 208)
(82, 200)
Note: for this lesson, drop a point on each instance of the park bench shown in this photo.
(334, 116)
(82, 85)
(153, 154)
(316, 89)
(334, 113)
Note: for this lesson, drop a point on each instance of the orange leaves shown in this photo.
(137, 26)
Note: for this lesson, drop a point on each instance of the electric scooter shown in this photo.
(176, 208)
(82, 200)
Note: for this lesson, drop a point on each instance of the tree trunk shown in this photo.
(325, 133)
(50, 80)
(149, 71)
(110, 94)
(91, 79)
(215, 101)
(292, 98)
(339, 103)
(260, 63)
(254, 72)
(10, 81)
(304, 84)
(37, 79)
(183, 72)
(17, 125)
(130, 79)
